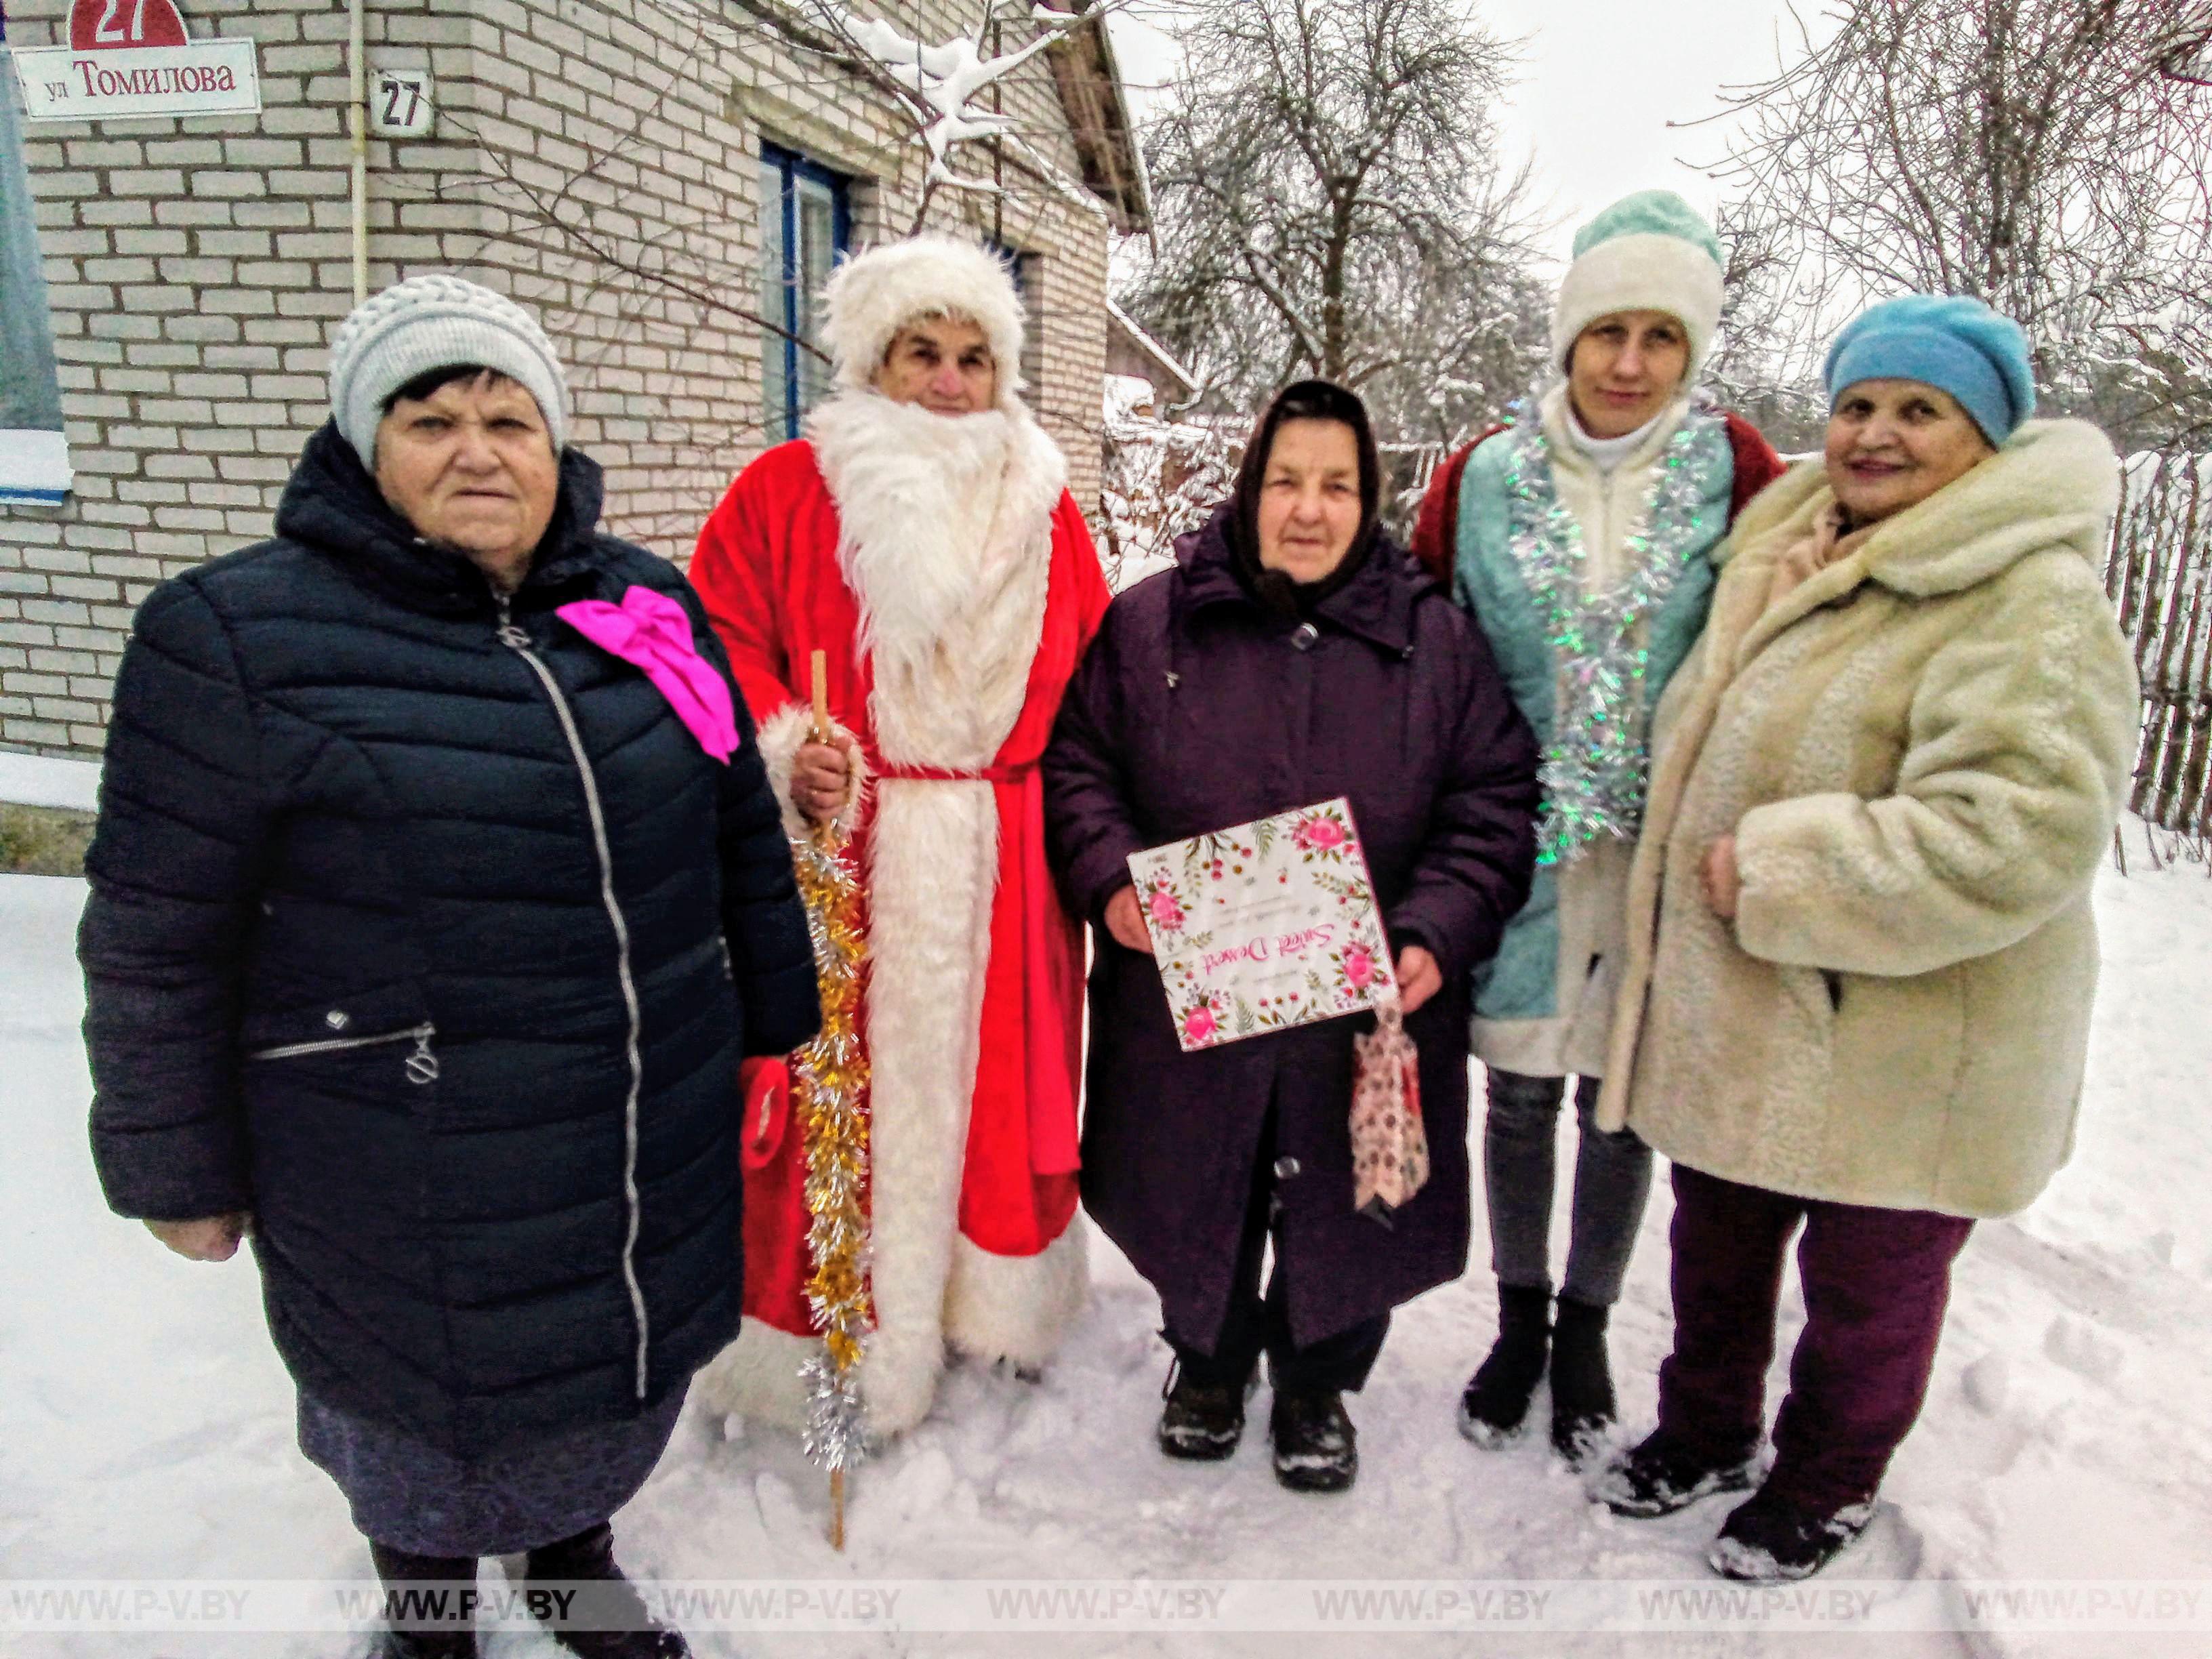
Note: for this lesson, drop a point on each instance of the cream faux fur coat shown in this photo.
(1921, 751)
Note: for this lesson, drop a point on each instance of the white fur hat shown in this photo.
(1649, 251)
(874, 295)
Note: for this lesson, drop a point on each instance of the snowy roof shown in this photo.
(1120, 319)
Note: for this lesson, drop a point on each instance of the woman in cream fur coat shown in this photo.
(1860, 952)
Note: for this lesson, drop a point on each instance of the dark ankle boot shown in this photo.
(1660, 1474)
(604, 1617)
(1582, 1405)
(1201, 1422)
(1497, 1398)
(1316, 1448)
(1773, 1538)
(429, 1603)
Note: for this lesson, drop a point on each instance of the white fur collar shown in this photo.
(928, 504)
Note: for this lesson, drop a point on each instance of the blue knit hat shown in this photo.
(1951, 343)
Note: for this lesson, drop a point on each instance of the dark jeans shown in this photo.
(1612, 1180)
(1877, 1283)
(1256, 1324)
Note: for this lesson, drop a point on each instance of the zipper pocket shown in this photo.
(421, 1065)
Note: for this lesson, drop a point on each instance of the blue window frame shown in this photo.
(35, 464)
(1022, 268)
(806, 221)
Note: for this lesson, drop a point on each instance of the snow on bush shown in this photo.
(1160, 478)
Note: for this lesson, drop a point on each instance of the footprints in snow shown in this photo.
(2083, 1349)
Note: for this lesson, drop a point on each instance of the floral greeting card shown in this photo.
(1265, 926)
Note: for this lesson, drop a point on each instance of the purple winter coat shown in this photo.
(1195, 709)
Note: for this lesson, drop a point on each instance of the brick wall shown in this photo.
(196, 268)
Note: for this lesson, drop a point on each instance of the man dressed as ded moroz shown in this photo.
(921, 537)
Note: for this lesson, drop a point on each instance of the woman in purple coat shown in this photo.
(1293, 655)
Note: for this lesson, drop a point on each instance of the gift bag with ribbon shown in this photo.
(1389, 1145)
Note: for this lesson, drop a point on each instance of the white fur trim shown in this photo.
(946, 541)
(934, 857)
(1646, 272)
(757, 1376)
(874, 295)
(1018, 1307)
(781, 737)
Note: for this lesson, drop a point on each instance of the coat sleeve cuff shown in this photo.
(781, 736)
(186, 1172)
(1413, 930)
(1097, 875)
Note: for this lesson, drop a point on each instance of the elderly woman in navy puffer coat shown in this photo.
(438, 891)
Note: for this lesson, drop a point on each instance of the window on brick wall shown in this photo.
(806, 221)
(34, 465)
(1027, 270)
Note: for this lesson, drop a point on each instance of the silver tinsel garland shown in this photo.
(1595, 767)
(829, 1094)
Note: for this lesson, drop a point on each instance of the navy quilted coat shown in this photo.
(434, 938)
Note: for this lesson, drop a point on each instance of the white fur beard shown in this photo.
(921, 498)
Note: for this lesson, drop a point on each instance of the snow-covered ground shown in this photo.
(146, 1427)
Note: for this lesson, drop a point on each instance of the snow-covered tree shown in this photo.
(2047, 156)
(1328, 201)
(1160, 478)
(944, 86)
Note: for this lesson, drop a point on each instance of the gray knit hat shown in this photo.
(437, 321)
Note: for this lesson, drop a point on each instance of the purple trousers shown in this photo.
(1877, 1283)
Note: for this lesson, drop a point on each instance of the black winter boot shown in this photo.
(1660, 1475)
(1772, 1539)
(1497, 1398)
(607, 1618)
(1202, 1422)
(1583, 1404)
(429, 1603)
(1316, 1448)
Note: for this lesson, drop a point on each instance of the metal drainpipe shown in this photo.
(358, 111)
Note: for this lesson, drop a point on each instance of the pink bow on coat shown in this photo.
(653, 632)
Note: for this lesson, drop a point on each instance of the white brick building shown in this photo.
(621, 165)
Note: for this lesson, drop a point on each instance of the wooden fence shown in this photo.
(2155, 571)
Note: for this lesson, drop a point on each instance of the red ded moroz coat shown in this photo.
(769, 567)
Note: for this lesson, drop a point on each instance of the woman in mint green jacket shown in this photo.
(1581, 541)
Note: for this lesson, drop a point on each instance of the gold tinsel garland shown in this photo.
(830, 1099)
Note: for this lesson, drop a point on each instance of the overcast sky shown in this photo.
(1601, 79)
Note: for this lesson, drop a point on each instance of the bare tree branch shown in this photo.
(1328, 202)
(2036, 154)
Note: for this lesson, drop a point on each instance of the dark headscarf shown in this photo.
(1308, 400)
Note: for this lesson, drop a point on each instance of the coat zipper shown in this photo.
(518, 641)
(421, 1065)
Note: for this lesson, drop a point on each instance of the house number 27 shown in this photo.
(400, 103)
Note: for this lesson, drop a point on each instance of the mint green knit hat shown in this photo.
(1649, 251)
